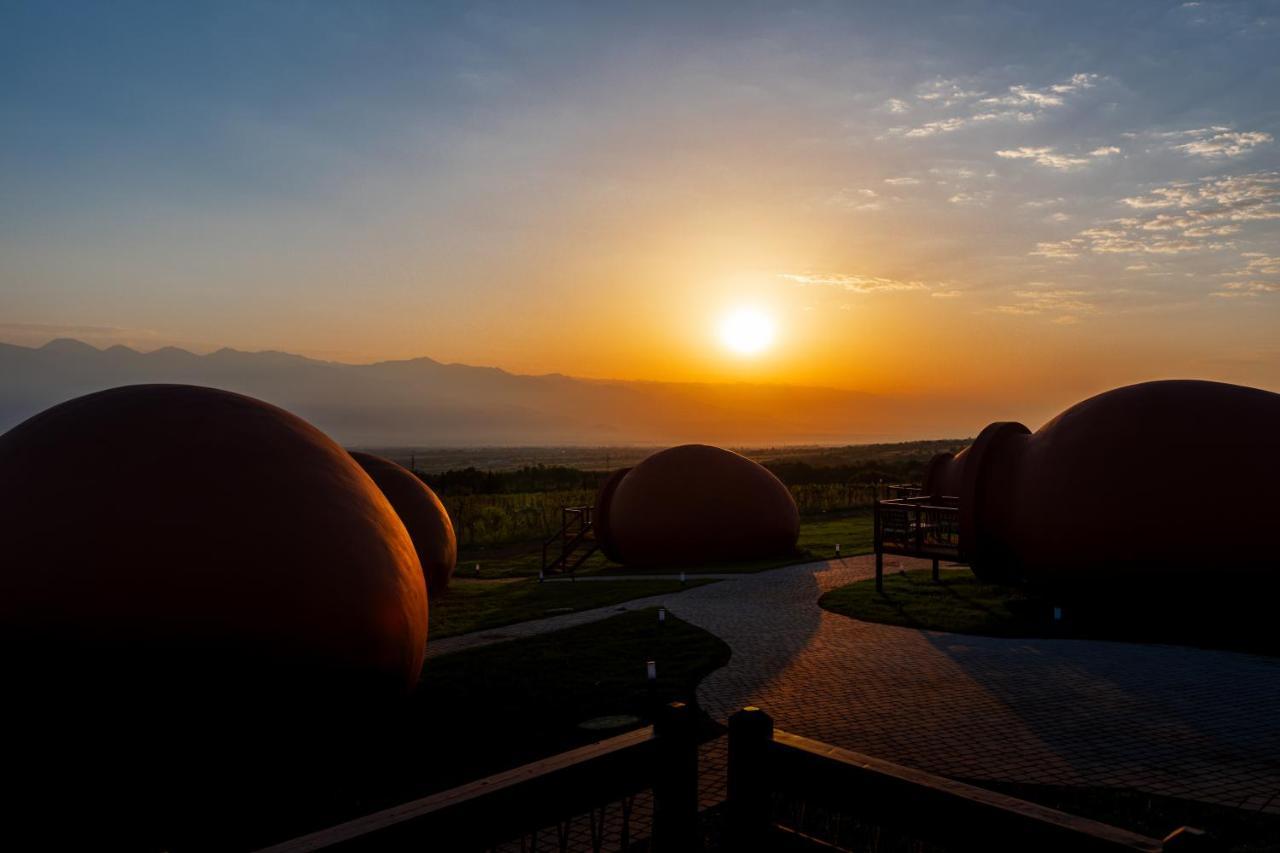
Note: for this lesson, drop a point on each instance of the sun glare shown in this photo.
(747, 331)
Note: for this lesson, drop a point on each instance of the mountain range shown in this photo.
(425, 402)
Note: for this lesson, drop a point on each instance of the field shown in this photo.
(471, 605)
(504, 502)
(513, 496)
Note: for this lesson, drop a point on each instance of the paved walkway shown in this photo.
(1166, 719)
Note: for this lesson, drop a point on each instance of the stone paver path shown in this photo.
(1171, 720)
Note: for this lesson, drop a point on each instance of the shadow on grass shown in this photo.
(1214, 618)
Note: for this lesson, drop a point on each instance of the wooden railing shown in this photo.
(769, 772)
(768, 768)
(517, 803)
(923, 526)
(576, 540)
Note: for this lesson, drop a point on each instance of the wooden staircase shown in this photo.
(572, 544)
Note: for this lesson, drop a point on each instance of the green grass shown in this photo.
(819, 536)
(959, 603)
(853, 532)
(482, 605)
(1211, 616)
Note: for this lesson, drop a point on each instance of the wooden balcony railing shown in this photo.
(922, 526)
(785, 792)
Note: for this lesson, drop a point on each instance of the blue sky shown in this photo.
(392, 179)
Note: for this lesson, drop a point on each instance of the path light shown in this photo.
(682, 579)
(539, 575)
(837, 549)
(477, 570)
(651, 669)
(1057, 614)
(662, 614)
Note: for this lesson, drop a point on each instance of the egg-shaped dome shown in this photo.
(1172, 479)
(600, 514)
(1169, 478)
(184, 536)
(423, 515)
(697, 503)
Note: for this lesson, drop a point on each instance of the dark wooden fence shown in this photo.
(770, 772)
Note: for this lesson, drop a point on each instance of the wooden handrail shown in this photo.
(502, 806)
(956, 814)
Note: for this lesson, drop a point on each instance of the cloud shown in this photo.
(856, 199)
(1220, 142)
(974, 199)
(1042, 299)
(1045, 156)
(896, 105)
(1019, 103)
(947, 294)
(1182, 217)
(1216, 142)
(1048, 97)
(902, 182)
(1104, 151)
(853, 283)
(1246, 289)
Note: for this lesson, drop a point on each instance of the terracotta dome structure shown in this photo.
(695, 503)
(1174, 480)
(423, 514)
(192, 582)
(175, 521)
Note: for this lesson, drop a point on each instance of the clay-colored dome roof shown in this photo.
(422, 513)
(184, 531)
(696, 503)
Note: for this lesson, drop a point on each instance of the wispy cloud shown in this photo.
(1020, 103)
(856, 199)
(853, 283)
(1040, 298)
(1218, 142)
(1246, 289)
(1188, 216)
(1044, 156)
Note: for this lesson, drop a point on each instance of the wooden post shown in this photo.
(675, 785)
(750, 733)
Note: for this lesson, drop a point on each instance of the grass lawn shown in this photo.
(853, 532)
(819, 536)
(471, 605)
(962, 604)
(959, 603)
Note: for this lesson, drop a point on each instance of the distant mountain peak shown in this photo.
(69, 345)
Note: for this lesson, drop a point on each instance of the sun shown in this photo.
(747, 331)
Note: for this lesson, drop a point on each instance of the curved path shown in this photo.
(1166, 719)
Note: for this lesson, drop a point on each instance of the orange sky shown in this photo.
(1020, 216)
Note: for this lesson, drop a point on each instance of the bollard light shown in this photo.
(837, 549)
(651, 669)
(682, 578)
(662, 614)
(1057, 614)
(477, 570)
(539, 575)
